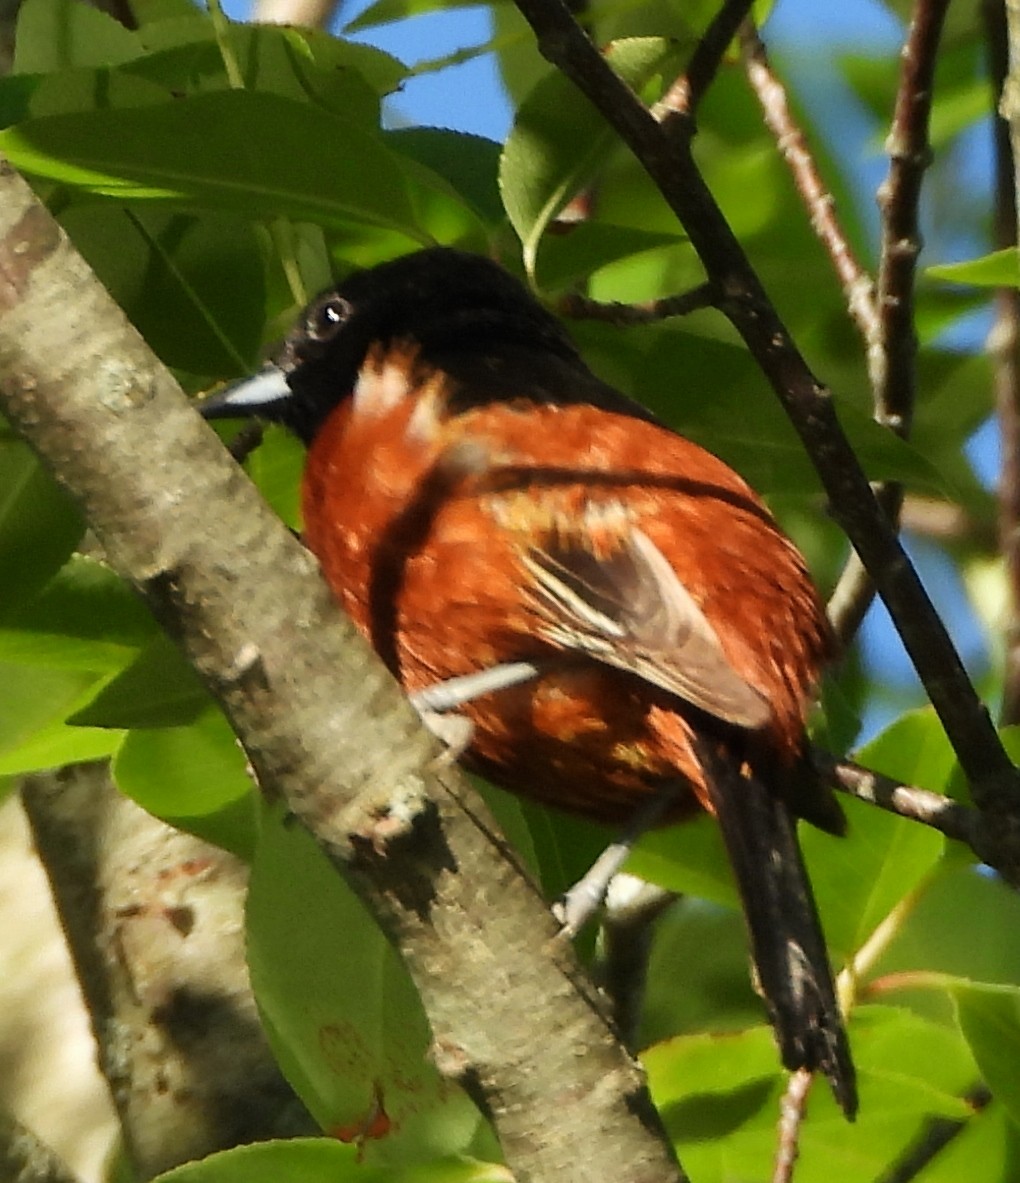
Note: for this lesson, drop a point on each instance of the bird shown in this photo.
(614, 612)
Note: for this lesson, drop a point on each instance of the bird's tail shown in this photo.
(787, 944)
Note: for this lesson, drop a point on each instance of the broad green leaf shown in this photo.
(712, 392)
(719, 1095)
(58, 744)
(859, 880)
(559, 141)
(276, 466)
(590, 246)
(987, 1147)
(467, 163)
(306, 66)
(57, 35)
(39, 527)
(1000, 269)
(221, 151)
(159, 689)
(966, 924)
(385, 12)
(690, 859)
(183, 772)
(85, 618)
(322, 1160)
(989, 1017)
(34, 701)
(340, 1011)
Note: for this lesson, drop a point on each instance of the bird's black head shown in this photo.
(461, 311)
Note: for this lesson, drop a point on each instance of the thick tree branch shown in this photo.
(24, 1158)
(325, 727)
(663, 149)
(154, 920)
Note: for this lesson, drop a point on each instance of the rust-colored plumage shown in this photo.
(476, 497)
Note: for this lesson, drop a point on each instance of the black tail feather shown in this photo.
(786, 935)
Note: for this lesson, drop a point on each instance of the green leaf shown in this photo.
(690, 859)
(86, 618)
(58, 744)
(321, 1160)
(34, 700)
(860, 879)
(719, 1095)
(385, 12)
(989, 1017)
(39, 526)
(159, 689)
(559, 141)
(589, 246)
(467, 163)
(304, 65)
(340, 1011)
(153, 154)
(276, 466)
(183, 772)
(54, 35)
(1000, 269)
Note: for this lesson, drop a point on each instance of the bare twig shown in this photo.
(858, 286)
(664, 152)
(996, 844)
(687, 91)
(581, 308)
(1004, 348)
(892, 349)
(899, 195)
(792, 1110)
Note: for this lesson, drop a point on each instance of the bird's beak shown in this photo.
(260, 396)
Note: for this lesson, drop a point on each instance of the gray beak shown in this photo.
(260, 396)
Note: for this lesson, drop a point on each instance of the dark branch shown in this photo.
(686, 93)
(994, 843)
(581, 308)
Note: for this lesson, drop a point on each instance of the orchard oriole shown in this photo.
(479, 500)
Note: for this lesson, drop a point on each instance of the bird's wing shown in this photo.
(627, 607)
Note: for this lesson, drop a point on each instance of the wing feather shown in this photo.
(627, 607)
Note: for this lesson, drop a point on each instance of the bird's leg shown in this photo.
(438, 703)
(582, 901)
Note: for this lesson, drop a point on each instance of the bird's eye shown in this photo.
(326, 317)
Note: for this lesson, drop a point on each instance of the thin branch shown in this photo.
(899, 198)
(686, 93)
(1004, 349)
(996, 844)
(858, 286)
(886, 321)
(325, 727)
(664, 151)
(892, 348)
(581, 308)
(792, 1111)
